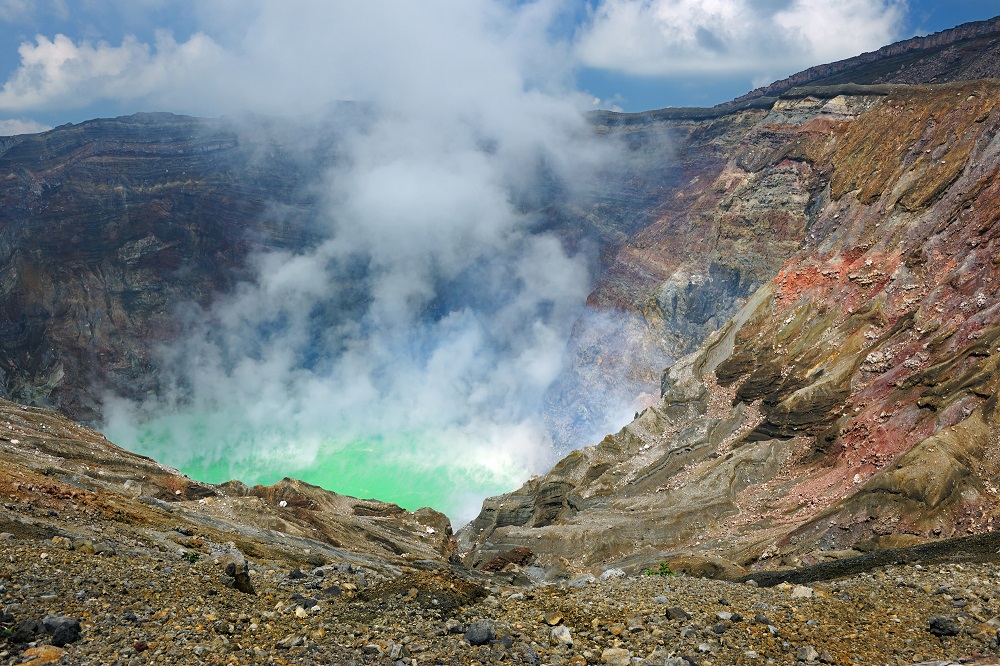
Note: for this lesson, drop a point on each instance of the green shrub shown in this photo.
(662, 570)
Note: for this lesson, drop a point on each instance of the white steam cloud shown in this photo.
(420, 336)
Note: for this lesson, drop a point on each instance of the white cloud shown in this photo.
(15, 126)
(60, 73)
(717, 37)
(14, 10)
(279, 58)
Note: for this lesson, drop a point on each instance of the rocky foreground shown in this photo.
(145, 605)
(111, 558)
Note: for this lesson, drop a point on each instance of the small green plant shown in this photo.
(662, 570)
(190, 556)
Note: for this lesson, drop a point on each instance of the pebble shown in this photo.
(807, 653)
(616, 657)
(802, 592)
(561, 636)
(940, 625)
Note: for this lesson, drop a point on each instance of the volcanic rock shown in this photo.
(852, 395)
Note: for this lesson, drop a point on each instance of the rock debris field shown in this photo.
(88, 606)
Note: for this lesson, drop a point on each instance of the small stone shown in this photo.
(372, 650)
(677, 613)
(236, 570)
(296, 574)
(610, 574)
(616, 657)
(560, 637)
(582, 581)
(661, 600)
(43, 654)
(802, 592)
(453, 626)
(725, 616)
(807, 653)
(553, 618)
(301, 612)
(826, 658)
(64, 630)
(528, 655)
(943, 626)
(480, 632)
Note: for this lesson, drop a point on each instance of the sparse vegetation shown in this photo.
(662, 570)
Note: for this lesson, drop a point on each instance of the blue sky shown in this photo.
(69, 60)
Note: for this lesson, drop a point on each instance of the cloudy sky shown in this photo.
(70, 60)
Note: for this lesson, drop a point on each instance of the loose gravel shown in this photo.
(150, 607)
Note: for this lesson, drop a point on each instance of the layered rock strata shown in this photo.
(109, 225)
(680, 277)
(850, 403)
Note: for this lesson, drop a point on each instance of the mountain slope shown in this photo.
(58, 478)
(684, 274)
(850, 403)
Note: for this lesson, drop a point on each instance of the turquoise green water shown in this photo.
(411, 469)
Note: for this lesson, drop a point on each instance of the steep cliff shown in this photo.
(679, 278)
(109, 224)
(850, 403)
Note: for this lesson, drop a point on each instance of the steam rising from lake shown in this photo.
(404, 355)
